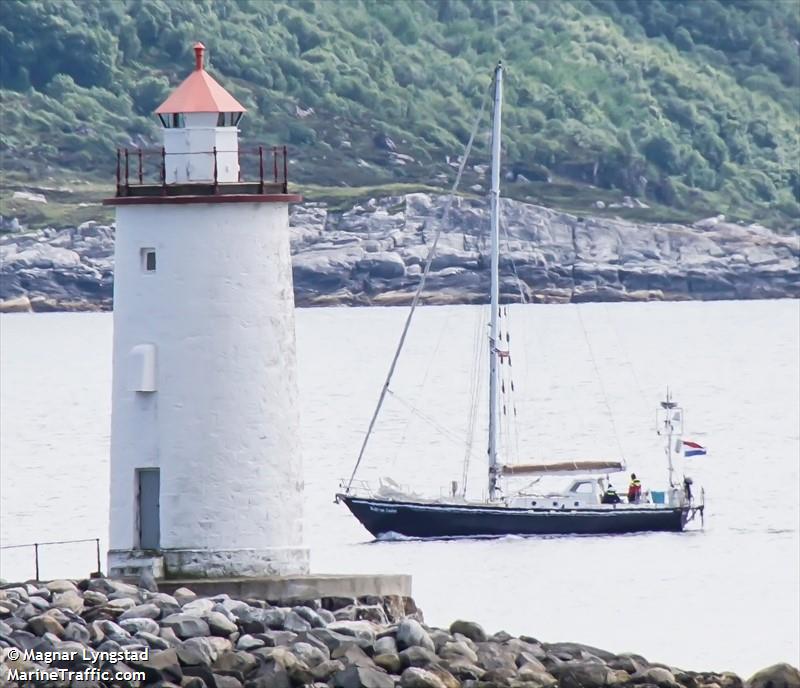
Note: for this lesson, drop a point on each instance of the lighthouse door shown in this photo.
(149, 526)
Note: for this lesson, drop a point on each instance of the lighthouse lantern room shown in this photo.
(206, 474)
(200, 121)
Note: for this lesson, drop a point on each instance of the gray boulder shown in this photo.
(45, 624)
(417, 656)
(411, 633)
(198, 607)
(312, 616)
(186, 625)
(238, 662)
(183, 596)
(469, 629)
(458, 650)
(776, 676)
(93, 598)
(390, 662)
(118, 605)
(351, 654)
(141, 611)
(69, 599)
(579, 674)
(363, 630)
(361, 677)
(277, 638)
(577, 651)
(164, 661)
(659, 676)
(153, 641)
(134, 625)
(385, 645)
(61, 585)
(420, 678)
(226, 681)
(248, 642)
(76, 632)
(197, 651)
(373, 613)
(113, 630)
(310, 654)
(219, 624)
(324, 670)
(464, 670)
(296, 623)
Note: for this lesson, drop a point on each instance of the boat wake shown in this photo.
(392, 536)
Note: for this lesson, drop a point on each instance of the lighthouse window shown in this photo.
(172, 121)
(148, 256)
(228, 119)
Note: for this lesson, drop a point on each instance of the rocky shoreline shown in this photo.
(373, 254)
(186, 641)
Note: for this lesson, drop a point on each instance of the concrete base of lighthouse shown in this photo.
(200, 564)
(132, 563)
(274, 561)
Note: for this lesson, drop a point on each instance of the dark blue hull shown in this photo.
(432, 520)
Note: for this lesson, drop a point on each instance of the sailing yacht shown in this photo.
(583, 508)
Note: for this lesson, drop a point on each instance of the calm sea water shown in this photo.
(587, 380)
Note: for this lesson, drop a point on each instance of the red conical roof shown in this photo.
(199, 92)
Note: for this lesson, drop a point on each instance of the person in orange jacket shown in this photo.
(634, 489)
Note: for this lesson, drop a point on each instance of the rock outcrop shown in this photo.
(374, 254)
(89, 627)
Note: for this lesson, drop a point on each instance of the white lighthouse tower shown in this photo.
(206, 475)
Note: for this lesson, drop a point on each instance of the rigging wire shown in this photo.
(513, 422)
(428, 262)
(452, 436)
(522, 298)
(421, 385)
(600, 382)
(626, 357)
(474, 391)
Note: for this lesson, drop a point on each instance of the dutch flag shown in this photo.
(693, 449)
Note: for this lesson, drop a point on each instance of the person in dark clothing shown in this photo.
(610, 496)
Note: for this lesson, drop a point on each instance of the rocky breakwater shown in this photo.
(374, 254)
(65, 633)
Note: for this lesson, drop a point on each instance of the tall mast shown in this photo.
(495, 291)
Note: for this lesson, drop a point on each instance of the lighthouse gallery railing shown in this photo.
(141, 171)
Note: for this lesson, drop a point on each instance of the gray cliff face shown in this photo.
(374, 254)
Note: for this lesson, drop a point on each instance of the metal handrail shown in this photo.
(280, 170)
(36, 546)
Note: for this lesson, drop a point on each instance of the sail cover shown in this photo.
(592, 466)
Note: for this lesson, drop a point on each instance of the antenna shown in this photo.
(670, 423)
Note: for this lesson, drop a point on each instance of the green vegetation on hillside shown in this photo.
(690, 104)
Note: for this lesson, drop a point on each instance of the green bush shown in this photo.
(699, 96)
